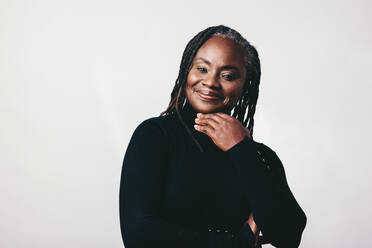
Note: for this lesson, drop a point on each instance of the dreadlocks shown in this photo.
(249, 96)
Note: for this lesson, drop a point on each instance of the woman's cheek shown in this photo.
(193, 78)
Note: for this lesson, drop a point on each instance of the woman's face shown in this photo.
(216, 77)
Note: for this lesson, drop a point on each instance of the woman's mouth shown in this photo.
(208, 97)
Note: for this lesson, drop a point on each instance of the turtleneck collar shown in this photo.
(188, 114)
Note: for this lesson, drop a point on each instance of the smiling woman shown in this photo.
(217, 75)
(194, 176)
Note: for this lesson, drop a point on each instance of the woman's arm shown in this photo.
(276, 211)
(142, 191)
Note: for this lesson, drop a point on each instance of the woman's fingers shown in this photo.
(207, 121)
(224, 130)
(207, 129)
(215, 120)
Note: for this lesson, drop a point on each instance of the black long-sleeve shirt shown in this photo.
(178, 189)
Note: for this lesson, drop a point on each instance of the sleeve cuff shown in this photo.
(240, 151)
(246, 141)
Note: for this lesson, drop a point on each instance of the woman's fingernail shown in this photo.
(198, 114)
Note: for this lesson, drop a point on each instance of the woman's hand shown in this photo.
(252, 224)
(224, 130)
(253, 227)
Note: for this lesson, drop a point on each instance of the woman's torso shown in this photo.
(202, 189)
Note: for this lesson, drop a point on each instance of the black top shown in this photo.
(178, 189)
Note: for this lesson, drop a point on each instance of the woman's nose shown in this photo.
(211, 81)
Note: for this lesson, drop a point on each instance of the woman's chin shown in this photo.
(210, 108)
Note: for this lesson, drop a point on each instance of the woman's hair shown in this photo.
(253, 75)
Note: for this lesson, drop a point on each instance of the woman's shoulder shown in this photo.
(268, 155)
(264, 147)
(157, 125)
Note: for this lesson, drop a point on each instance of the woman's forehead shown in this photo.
(218, 49)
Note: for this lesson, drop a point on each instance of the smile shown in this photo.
(205, 97)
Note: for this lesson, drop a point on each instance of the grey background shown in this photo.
(76, 78)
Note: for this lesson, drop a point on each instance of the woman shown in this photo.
(194, 176)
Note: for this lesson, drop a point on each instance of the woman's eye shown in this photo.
(202, 69)
(228, 77)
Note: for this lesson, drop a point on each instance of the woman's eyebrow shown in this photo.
(204, 60)
(223, 67)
